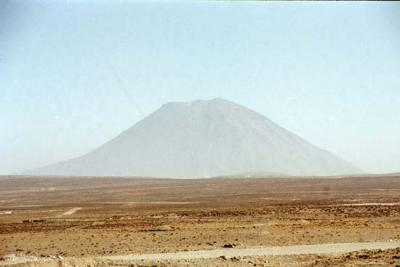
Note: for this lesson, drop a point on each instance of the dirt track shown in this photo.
(320, 249)
(259, 251)
(71, 211)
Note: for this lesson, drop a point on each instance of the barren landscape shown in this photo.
(98, 221)
(199, 133)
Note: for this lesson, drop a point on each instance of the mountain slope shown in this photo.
(202, 139)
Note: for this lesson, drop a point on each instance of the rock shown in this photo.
(229, 245)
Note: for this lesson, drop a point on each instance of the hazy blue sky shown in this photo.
(75, 74)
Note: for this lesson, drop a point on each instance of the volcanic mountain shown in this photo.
(203, 139)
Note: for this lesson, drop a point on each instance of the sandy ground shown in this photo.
(87, 221)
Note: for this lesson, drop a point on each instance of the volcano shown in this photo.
(203, 138)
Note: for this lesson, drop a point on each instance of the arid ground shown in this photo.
(92, 221)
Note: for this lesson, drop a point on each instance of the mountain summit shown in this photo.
(202, 139)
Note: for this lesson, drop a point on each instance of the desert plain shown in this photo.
(125, 221)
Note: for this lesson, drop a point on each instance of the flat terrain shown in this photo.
(92, 221)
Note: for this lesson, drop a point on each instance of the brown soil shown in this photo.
(89, 216)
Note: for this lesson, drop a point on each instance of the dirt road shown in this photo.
(338, 248)
(260, 251)
(71, 211)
